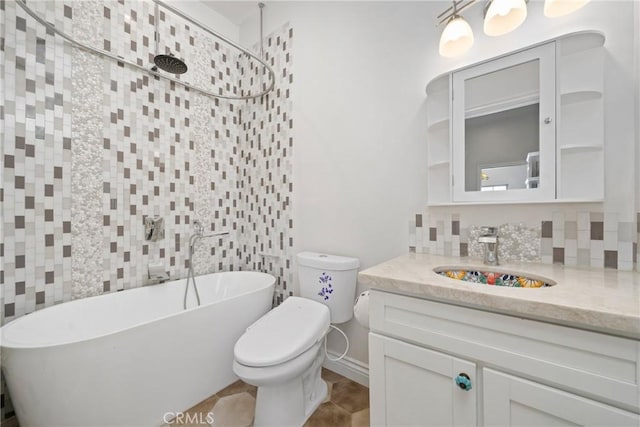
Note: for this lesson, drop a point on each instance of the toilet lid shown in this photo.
(283, 333)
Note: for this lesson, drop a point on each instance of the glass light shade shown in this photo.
(456, 38)
(504, 16)
(556, 8)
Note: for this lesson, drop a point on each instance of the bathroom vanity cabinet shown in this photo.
(521, 371)
(567, 354)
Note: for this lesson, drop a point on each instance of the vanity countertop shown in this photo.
(604, 300)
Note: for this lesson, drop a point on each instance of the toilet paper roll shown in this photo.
(361, 309)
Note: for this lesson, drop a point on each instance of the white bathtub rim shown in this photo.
(13, 346)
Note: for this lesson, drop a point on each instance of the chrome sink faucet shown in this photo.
(489, 238)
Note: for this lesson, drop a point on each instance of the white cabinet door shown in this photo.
(512, 401)
(413, 386)
(502, 111)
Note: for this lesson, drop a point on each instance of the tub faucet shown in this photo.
(489, 238)
(198, 233)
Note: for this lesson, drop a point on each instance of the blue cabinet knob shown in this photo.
(464, 382)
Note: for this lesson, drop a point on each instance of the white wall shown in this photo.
(359, 127)
(360, 70)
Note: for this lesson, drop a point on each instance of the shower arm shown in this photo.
(91, 49)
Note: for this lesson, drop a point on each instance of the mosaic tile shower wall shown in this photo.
(165, 152)
(2, 165)
(592, 239)
(36, 162)
(87, 158)
(141, 146)
(266, 166)
(36, 156)
(91, 147)
(5, 405)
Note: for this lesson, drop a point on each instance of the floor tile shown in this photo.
(234, 410)
(329, 389)
(350, 396)
(360, 419)
(347, 405)
(331, 377)
(329, 414)
(199, 413)
(237, 387)
(205, 405)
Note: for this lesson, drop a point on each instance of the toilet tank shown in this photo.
(331, 280)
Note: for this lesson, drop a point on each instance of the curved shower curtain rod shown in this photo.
(175, 11)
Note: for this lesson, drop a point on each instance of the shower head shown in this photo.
(170, 64)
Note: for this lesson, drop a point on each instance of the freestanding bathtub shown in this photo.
(130, 358)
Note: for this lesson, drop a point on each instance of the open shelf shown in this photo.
(578, 42)
(437, 108)
(581, 171)
(579, 96)
(580, 147)
(581, 124)
(438, 124)
(438, 84)
(438, 180)
(438, 164)
(581, 71)
(438, 160)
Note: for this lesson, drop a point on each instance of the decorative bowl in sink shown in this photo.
(495, 278)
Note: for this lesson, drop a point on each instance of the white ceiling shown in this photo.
(235, 11)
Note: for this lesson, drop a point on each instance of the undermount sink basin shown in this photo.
(494, 277)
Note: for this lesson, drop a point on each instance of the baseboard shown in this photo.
(348, 367)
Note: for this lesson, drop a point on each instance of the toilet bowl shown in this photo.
(282, 352)
(282, 355)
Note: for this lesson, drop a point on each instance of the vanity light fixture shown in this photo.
(557, 8)
(500, 17)
(503, 16)
(457, 36)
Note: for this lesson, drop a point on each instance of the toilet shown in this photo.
(282, 352)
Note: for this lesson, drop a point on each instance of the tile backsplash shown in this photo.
(518, 243)
(593, 239)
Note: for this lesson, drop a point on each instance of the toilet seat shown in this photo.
(284, 333)
(281, 373)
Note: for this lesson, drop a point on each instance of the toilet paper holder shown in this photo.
(361, 309)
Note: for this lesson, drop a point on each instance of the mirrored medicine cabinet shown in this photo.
(524, 127)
